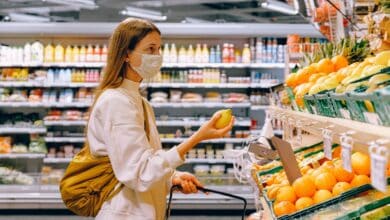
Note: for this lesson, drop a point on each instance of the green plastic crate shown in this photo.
(381, 102)
(324, 105)
(363, 106)
(310, 104)
(340, 105)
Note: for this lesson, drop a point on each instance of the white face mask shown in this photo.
(150, 65)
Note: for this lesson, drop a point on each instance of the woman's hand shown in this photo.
(186, 181)
(208, 130)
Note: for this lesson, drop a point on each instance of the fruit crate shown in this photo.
(340, 107)
(324, 105)
(310, 104)
(381, 102)
(362, 106)
(382, 214)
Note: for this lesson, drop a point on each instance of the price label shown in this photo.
(378, 156)
(345, 113)
(327, 136)
(372, 118)
(346, 148)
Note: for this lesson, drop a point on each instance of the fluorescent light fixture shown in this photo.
(144, 13)
(85, 4)
(284, 8)
(27, 18)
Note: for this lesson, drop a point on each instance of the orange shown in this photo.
(286, 193)
(339, 62)
(325, 180)
(322, 195)
(315, 173)
(340, 187)
(291, 80)
(309, 172)
(336, 152)
(328, 167)
(304, 187)
(313, 78)
(302, 76)
(305, 169)
(359, 180)
(303, 202)
(272, 192)
(341, 174)
(284, 208)
(360, 163)
(325, 66)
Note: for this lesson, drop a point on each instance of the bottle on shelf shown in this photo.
(166, 53)
(75, 54)
(37, 52)
(182, 55)
(68, 54)
(246, 54)
(252, 48)
(82, 54)
(198, 54)
(190, 54)
(97, 53)
(89, 55)
(218, 54)
(59, 53)
(259, 50)
(205, 54)
(103, 57)
(274, 51)
(212, 58)
(225, 53)
(27, 52)
(232, 58)
(49, 53)
(173, 54)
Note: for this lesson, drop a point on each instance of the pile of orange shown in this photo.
(320, 184)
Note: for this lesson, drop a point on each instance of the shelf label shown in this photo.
(327, 136)
(345, 113)
(372, 118)
(378, 155)
(346, 148)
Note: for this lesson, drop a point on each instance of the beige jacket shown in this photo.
(116, 129)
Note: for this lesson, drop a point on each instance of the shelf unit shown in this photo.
(22, 156)
(45, 105)
(47, 160)
(201, 105)
(16, 130)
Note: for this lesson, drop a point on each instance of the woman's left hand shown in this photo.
(186, 181)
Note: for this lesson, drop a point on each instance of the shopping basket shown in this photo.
(205, 190)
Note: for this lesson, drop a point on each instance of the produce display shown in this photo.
(20, 120)
(10, 176)
(190, 97)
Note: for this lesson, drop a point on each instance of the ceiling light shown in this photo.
(144, 13)
(284, 8)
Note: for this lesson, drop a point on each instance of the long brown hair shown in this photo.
(125, 38)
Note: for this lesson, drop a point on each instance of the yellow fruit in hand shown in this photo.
(224, 120)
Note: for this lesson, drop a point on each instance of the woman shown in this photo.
(122, 126)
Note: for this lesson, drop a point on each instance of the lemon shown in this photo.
(224, 120)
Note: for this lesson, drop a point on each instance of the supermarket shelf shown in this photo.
(209, 161)
(258, 132)
(13, 130)
(65, 139)
(47, 85)
(201, 105)
(215, 141)
(56, 160)
(364, 132)
(212, 85)
(65, 123)
(46, 105)
(21, 155)
(259, 107)
(56, 64)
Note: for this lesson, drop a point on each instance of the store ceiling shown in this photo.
(191, 11)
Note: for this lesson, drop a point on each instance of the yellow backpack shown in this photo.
(90, 181)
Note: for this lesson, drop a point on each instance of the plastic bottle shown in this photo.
(173, 54)
(37, 50)
(166, 54)
(246, 54)
(49, 53)
(212, 58)
(82, 54)
(75, 54)
(252, 48)
(20, 55)
(264, 52)
(59, 53)
(68, 54)
(27, 53)
(232, 58)
(182, 55)
(50, 76)
(218, 54)
(259, 49)
(225, 53)
(97, 52)
(198, 54)
(190, 54)
(103, 57)
(89, 53)
(68, 76)
(205, 54)
(274, 51)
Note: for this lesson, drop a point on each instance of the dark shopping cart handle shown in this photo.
(205, 190)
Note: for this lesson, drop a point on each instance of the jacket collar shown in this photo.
(130, 85)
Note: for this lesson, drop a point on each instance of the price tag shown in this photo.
(327, 136)
(372, 118)
(345, 113)
(378, 155)
(299, 134)
(346, 148)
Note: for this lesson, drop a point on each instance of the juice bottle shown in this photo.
(27, 53)
(218, 54)
(103, 57)
(166, 56)
(97, 52)
(68, 54)
(75, 54)
(190, 54)
(173, 54)
(231, 57)
(259, 49)
(89, 53)
(82, 53)
(246, 54)
(212, 58)
(225, 53)
(59, 53)
(49, 53)
(198, 54)
(182, 55)
(205, 54)
(252, 48)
